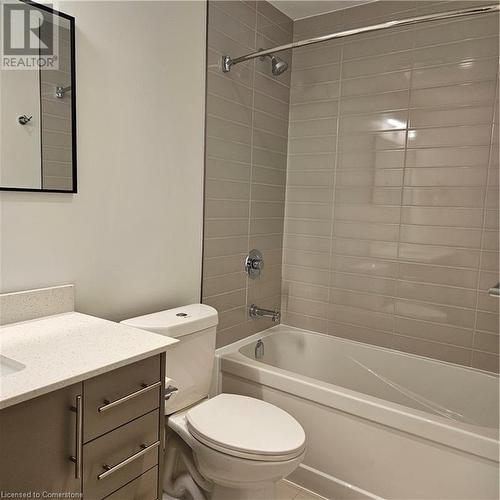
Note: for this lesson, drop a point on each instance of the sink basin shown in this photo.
(8, 366)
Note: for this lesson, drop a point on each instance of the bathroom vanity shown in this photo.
(99, 436)
(81, 408)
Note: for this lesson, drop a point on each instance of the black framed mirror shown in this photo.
(37, 99)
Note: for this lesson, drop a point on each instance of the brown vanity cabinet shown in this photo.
(37, 438)
(102, 438)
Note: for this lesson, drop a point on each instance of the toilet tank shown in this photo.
(190, 361)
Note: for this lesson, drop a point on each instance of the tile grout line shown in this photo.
(405, 154)
(254, 66)
(331, 277)
(483, 227)
(285, 295)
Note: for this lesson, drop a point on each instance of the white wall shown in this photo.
(131, 238)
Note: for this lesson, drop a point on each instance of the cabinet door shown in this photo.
(37, 438)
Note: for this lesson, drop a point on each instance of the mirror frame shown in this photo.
(74, 188)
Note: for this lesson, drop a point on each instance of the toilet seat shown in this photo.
(246, 428)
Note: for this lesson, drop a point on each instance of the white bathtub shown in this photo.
(379, 423)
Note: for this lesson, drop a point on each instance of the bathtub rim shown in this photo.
(389, 414)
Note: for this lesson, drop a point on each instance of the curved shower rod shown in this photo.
(228, 62)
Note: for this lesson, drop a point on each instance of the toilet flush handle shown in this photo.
(169, 391)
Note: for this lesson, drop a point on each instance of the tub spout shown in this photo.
(258, 312)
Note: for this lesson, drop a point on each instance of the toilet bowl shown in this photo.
(241, 444)
(230, 447)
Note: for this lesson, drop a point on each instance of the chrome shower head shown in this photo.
(278, 65)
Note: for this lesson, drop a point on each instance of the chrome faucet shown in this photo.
(258, 312)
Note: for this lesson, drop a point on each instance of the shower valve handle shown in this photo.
(254, 263)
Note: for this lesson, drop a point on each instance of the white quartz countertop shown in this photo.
(61, 350)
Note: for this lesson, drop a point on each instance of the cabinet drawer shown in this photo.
(120, 456)
(116, 397)
(145, 487)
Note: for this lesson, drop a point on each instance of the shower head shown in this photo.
(278, 65)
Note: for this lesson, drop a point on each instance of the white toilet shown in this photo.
(232, 447)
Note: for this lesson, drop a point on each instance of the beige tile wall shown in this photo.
(57, 166)
(391, 225)
(246, 156)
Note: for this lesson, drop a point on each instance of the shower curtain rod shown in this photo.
(228, 62)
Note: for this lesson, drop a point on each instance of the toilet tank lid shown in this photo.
(176, 322)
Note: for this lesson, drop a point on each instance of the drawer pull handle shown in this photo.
(111, 469)
(77, 459)
(108, 405)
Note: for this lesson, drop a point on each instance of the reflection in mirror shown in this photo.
(37, 102)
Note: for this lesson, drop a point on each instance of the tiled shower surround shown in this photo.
(246, 155)
(391, 217)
